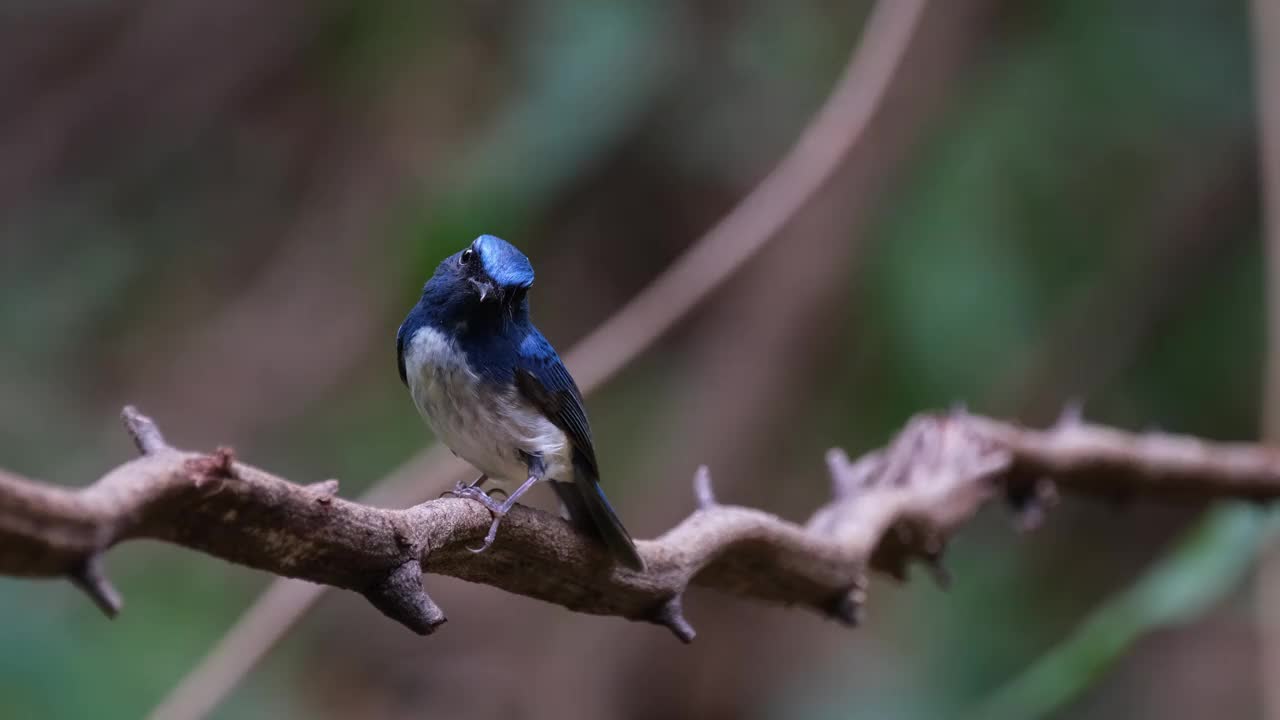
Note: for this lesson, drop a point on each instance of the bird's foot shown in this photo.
(461, 486)
(471, 492)
(496, 508)
(499, 510)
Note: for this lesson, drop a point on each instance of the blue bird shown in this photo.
(495, 391)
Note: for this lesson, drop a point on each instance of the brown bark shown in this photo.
(890, 507)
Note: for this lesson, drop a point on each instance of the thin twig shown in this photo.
(1266, 34)
(712, 259)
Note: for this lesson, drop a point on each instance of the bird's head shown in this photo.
(495, 268)
(488, 273)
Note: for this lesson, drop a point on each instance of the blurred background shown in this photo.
(220, 212)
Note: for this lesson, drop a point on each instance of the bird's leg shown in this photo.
(481, 480)
(500, 509)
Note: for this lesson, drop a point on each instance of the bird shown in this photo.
(495, 391)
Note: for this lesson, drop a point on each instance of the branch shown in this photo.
(890, 507)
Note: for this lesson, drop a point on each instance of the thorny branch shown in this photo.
(891, 506)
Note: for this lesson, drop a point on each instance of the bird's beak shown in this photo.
(485, 288)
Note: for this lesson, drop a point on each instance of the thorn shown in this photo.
(941, 576)
(146, 435)
(213, 468)
(933, 542)
(838, 468)
(849, 477)
(89, 577)
(847, 607)
(1030, 506)
(224, 458)
(324, 490)
(400, 597)
(702, 491)
(671, 615)
(1072, 415)
(932, 547)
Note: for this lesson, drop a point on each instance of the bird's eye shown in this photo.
(467, 255)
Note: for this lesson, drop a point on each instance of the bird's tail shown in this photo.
(590, 511)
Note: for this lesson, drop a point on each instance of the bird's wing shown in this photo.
(543, 380)
(400, 356)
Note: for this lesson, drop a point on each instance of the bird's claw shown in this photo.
(460, 488)
(491, 536)
(497, 509)
(470, 492)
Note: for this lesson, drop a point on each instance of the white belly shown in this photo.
(486, 428)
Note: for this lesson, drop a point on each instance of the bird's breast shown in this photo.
(484, 423)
